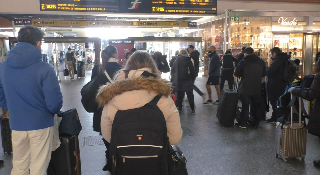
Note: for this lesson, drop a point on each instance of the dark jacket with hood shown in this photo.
(215, 64)
(183, 74)
(29, 89)
(312, 94)
(227, 65)
(111, 68)
(251, 69)
(276, 85)
(195, 57)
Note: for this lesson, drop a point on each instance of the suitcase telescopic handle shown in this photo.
(292, 109)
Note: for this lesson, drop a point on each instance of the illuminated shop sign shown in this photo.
(286, 22)
(121, 41)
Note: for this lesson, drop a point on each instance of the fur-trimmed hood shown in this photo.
(108, 92)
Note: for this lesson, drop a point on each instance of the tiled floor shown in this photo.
(210, 148)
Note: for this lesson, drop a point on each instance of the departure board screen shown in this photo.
(80, 5)
(133, 6)
(185, 6)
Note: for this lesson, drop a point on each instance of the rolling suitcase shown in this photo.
(6, 135)
(81, 72)
(291, 138)
(227, 107)
(66, 159)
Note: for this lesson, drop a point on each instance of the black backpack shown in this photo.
(139, 142)
(290, 71)
(183, 69)
(70, 56)
(307, 82)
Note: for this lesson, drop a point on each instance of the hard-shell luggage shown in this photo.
(227, 107)
(81, 71)
(6, 135)
(66, 159)
(291, 137)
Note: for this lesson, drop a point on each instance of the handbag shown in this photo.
(90, 90)
(66, 72)
(70, 123)
(176, 161)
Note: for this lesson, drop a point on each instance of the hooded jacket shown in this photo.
(195, 57)
(112, 68)
(29, 89)
(276, 86)
(215, 65)
(251, 69)
(135, 92)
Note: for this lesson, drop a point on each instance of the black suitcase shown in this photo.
(81, 69)
(227, 107)
(66, 159)
(6, 136)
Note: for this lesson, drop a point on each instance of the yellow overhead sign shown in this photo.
(45, 23)
(59, 23)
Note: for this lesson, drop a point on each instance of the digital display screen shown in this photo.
(133, 6)
(80, 5)
(184, 6)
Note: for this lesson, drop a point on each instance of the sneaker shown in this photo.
(209, 102)
(216, 102)
(204, 97)
(271, 120)
(193, 112)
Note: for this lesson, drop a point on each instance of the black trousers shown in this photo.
(190, 96)
(230, 82)
(108, 166)
(256, 104)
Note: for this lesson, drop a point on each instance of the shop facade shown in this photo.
(296, 33)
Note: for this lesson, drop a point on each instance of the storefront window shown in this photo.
(252, 32)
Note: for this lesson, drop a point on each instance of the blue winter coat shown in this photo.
(29, 89)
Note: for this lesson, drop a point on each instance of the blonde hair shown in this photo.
(139, 60)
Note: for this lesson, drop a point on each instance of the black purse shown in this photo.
(177, 163)
(70, 123)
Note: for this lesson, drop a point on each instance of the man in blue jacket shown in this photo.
(214, 75)
(30, 91)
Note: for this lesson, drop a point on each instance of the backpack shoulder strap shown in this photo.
(126, 73)
(155, 100)
(147, 74)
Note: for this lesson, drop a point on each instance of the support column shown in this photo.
(97, 48)
(225, 36)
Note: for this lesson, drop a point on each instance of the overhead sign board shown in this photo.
(50, 23)
(133, 6)
(121, 41)
(18, 22)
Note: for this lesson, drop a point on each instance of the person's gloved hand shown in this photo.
(291, 89)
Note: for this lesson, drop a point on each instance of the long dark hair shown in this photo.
(106, 54)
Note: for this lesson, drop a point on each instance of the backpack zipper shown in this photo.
(136, 157)
(128, 146)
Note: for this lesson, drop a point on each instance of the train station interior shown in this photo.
(167, 26)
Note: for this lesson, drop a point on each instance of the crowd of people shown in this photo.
(35, 97)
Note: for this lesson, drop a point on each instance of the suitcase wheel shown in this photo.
(302, 158)
(277, 155)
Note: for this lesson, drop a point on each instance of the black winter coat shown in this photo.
(251, 69)
(240, 57)
(183, 74)
(276, 85)
(195, 57)
(312, 94)
(227, 65)
(111, 68)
